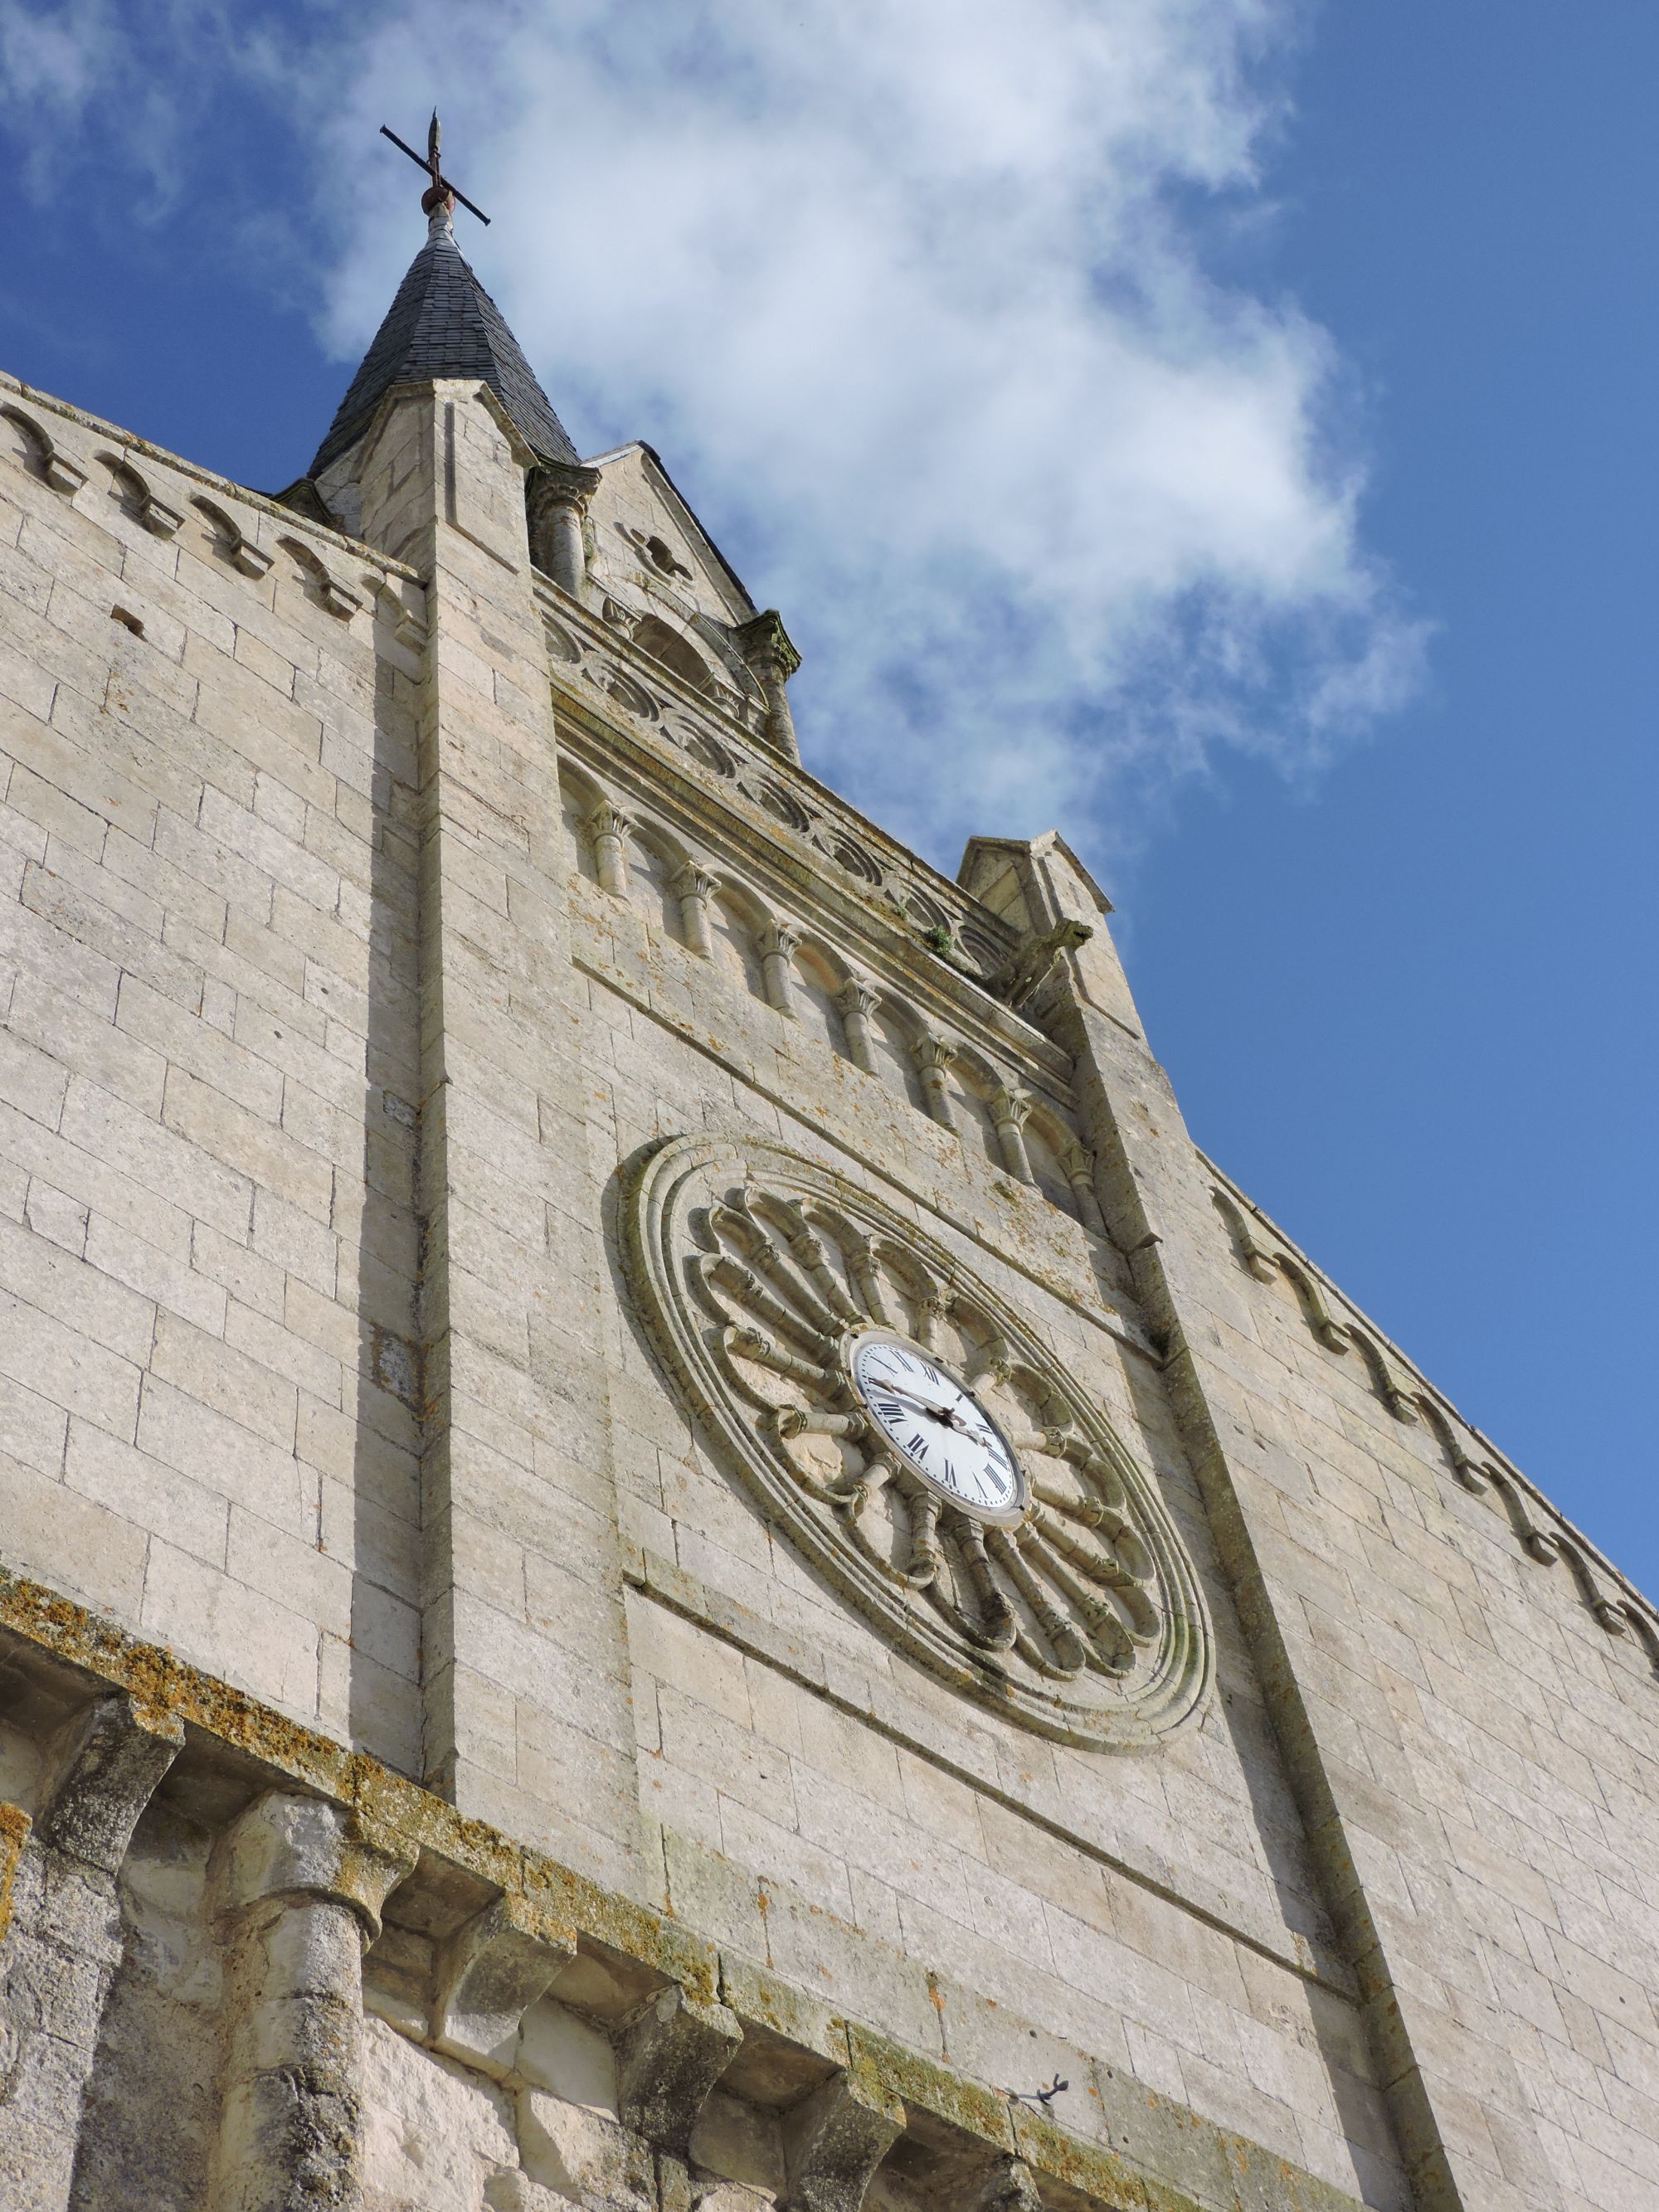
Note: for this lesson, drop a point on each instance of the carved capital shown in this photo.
(858, 998)
(551, 485)
(556, 493)
(1010, 1109)
(764, 639)
(287, 1845)
(608, 821)
(779, 939)
(932, 1053)
(694, 881)
(668, 2057)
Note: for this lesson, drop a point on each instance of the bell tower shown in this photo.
(663, 1541)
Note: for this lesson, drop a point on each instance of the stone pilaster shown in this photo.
(765, 644)
(1157, 1202)
(525, 1712)
(556, 497)
(299, 1893)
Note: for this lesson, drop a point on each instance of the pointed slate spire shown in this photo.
(443, 323)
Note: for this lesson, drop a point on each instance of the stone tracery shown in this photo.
(757, 1270)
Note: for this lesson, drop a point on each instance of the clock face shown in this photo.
(939, 1427)
(918, 1440)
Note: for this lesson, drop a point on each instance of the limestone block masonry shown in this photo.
(498, 1710)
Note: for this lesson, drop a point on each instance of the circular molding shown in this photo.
(757, 1272)
(624, 691)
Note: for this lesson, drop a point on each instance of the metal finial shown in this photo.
(439, 189)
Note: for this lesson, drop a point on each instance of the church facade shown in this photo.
(663, 1542)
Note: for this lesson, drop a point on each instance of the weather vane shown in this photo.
(439, 189)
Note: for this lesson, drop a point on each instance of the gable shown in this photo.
(648, 541)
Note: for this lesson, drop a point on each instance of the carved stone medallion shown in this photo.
(1005, 1539)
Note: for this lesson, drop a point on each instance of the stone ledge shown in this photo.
(57, 1657)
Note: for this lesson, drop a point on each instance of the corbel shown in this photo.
(1471, 1474)
(54, 467)
(1329, 1331)
(243, 555)
(669, 2054)
(489, 1974)
(1020, 978)
(151, 514)
(833, 2139)
(1009, 2186)
(337, 599)
(1647, 1633)
(340, 600)
(1258, 1258)
(1391, 1388)
(102, 1768)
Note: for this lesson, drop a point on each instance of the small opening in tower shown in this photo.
(127, 619)
(662, 556)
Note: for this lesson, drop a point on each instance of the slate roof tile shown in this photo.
(443, 323)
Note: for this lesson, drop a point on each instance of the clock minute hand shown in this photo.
(937, 1413)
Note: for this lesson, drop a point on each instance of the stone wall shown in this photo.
(208, 1071)
(462, 1744)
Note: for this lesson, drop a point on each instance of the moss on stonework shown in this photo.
(400, 1819)
(14, 1826)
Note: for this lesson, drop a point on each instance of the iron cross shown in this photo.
(439, 188)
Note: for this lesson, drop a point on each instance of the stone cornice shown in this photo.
(894, 864)
(58, 1657)
(1540, 1530)
(287, 516)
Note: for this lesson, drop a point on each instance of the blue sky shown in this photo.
(1223, 425)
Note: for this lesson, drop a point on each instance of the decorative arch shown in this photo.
(656, 862)
(673, 651)
(972, 1083)
(820, 979)
(896, 1029)
(579, 801)
(736, 924)
(1052, 1146)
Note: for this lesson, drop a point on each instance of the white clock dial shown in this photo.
(939, 1427)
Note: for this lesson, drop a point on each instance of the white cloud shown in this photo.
(917, 303)
(913, 302)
